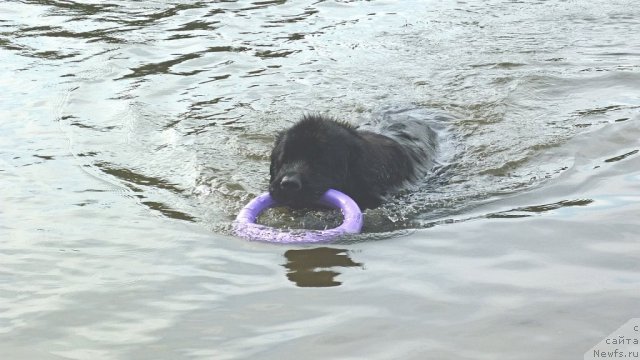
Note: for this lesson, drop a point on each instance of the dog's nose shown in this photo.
(291, 183)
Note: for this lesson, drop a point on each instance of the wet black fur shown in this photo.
(325, 153)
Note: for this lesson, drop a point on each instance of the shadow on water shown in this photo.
(317, 267)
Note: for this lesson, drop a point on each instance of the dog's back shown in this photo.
(414, 129)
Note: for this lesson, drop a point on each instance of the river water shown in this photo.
(132, 132)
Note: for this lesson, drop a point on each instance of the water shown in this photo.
(133, 131)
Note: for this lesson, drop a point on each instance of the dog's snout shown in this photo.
(291, 183)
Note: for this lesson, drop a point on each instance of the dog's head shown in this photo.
(310, 158)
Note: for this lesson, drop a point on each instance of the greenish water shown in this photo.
(132, 132)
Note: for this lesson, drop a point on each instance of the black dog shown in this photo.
(318, 153)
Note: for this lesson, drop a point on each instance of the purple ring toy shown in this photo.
(245, 224)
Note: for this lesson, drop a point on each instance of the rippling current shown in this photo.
(132, 132)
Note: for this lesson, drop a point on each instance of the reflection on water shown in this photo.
(621, 157)
(317, 267)
(522, 211)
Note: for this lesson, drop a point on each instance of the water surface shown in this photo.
(132, 132)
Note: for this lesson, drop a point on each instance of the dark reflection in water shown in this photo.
(138, 183)
(526, 211)
(134, 179)
(317, 267)
(165, 210)
(621, 157)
